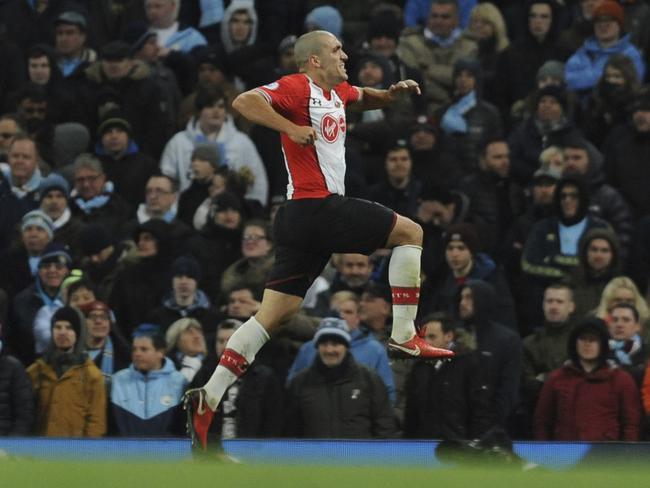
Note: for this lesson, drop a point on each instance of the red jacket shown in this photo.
(603, 405)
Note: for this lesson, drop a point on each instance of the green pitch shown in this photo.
(189, 474)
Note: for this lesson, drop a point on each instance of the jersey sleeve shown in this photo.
(283, 93)
(348, 93)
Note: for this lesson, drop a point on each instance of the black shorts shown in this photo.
(306, 232)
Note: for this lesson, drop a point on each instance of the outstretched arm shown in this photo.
(371, 98)
(258, 110)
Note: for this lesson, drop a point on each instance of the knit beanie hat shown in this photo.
(610, 9)
(384, 24)
(68, 314)
(556, 92)
(55, 252)
(551, 69)
(186, 266)
(40, 219)
(325, 18)
(465, 233)
(53, 181)
(333, 328)
(207, 152)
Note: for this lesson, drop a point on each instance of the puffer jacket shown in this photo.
(16, 397)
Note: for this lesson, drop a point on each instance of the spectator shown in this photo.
(69, 388)
(545, 349)
(375, 310)
(186, 346)
(605, 202)
(434, 49)
(28, 336)
(146, 397)
(257, 258)
(205, 164)
(253, 405)
(447, 400)
(125, 165)
(581, 28)
(495, 199)
(599, 261)
(185, 300)
(93, 198)
(400, 190)
(430, 163)
(416, 11)
(105, 344)
(70, 44)
(213, 124)
(588, 399)
(627, 347)
(163, 20)
(622, 290)
(467, 120)
(585, 67)
(239, 33)
(319, 403)
(16, 397)
(499, 347)
(9, 128)
(465, 262)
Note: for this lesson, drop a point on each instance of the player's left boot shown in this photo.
(417, 348)
(199, 417)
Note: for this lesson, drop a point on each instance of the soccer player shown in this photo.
(308, 109)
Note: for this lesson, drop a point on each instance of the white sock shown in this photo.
(404, 279)
(246, 341)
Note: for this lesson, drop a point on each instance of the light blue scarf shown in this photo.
(211, 12)
(618, 348)
(87, 206)
(106, 365)
(453, 122)
(443, 41)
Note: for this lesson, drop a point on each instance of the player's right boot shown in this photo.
(417, 348)
(199, 417)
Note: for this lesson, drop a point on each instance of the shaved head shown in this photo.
(309, 44)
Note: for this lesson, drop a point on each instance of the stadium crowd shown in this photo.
(136, 216)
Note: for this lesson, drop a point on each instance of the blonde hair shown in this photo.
(549, 153)
(488, 11)
(343, 296)
(602, 311)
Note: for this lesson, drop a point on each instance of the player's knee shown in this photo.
(407, 232)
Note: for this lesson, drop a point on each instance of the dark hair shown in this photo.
(265, 225)
(153, 332)
(229, 324)
(560, 285)
(446, 2)
(488, 141)
(84, 282)
(207, 96)
(447, 324)
(172, 181)
(255, 291)
(628, 306)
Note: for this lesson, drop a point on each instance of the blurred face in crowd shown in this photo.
(588, 347)
(332, 353)
(641, 119)
(496, 159)
(435, 336)
(184, 287)
(202, 170)
(89, 182)
(212, 118)
(543, 191)
(545, 81)
(222, 339)
(599, 254)
(355, 269)
(422, 140)
(465, 82)
(115, 141)
(242, 304)
(623, 325)
(149, 50)
(35, 238)
(81, 296)
(229, 218)
(370, 74)
(398, 166)
(116, 69)
(69, 40)
(540, 17)
(466, 305)
(349, 311)
(159, 195)
(63, 335)
(54, 204)
(481, 27)
(241, 26)
(23, 160)
(622, 295)
(558, 305)
(145, 356)
(209, 74)
(39, 70)
(8, 130)
(287, 60)
(606, 30)
(98, 324)
(587, 7)
(576, 159)
(459, 257)
(569, 201)
(384, 45)
(614, 76)
(373, 310)
(255, 242)
(443, 19)
(147, 245)
(436, 212)
(549, 109)
(52, 275)
(160, 13)
(191, 342)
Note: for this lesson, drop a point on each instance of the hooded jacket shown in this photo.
(147, 404)
(499, 349)
(576, 405)
(237, 5)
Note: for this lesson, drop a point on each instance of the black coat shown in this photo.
(129, 174)
(20, 332)
(349, 403)
(16, 398)
(111, 215)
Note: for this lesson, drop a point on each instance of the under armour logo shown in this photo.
(355, 394)
(315, 101)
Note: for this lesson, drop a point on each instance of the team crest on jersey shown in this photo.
(330, 127)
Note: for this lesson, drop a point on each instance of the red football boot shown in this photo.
(417, 348)
(199, 416)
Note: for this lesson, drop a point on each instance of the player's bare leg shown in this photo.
(243, 345)
(404, 279)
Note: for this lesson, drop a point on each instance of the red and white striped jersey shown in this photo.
(317, 170)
